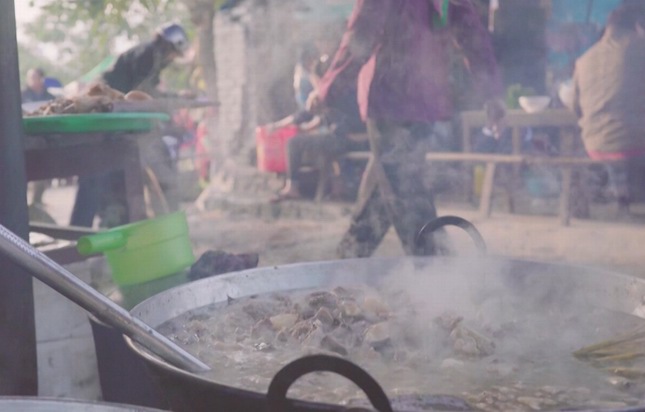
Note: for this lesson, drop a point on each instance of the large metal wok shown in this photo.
(190, 392)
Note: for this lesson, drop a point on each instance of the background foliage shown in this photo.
(79, 34)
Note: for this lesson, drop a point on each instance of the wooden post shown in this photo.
(323, 175)
(133, 181)
(515, 177)
(485, 206)
(565, 196)
(18, 370)
(467, 170)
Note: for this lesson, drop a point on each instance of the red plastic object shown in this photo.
(272, 147)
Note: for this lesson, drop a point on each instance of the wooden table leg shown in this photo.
(580, 196)
(133, 179)
(467, 141)
(468, 175)
(467, 169)
(323, 179)
(485, 205)
(516, 140)
(516, 174)
(567, 141)
(565, 196)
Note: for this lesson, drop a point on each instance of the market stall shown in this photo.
(86, 145)
(476, 333)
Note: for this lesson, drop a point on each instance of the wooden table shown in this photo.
(162, 105)
(562, 119)
(61, 156)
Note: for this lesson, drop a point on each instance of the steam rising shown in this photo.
(536, 318)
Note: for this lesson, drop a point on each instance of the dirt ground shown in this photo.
(288, 240)
(282, 238)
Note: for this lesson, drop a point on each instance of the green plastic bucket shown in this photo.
(143, 251)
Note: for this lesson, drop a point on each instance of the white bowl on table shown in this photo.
(534, 104)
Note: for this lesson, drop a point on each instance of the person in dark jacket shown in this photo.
(140, 67)
(136, 69)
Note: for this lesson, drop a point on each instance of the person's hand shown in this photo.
(314, 103)
(495, 117)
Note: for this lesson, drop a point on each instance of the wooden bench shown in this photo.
(53, 156)
(63, 249)
(325, 165)
(567, 165)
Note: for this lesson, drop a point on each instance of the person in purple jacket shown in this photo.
(399, 52)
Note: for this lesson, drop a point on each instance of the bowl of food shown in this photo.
(534, 104)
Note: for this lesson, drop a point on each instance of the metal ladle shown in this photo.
(74, 289)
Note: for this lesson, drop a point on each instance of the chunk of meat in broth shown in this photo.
(260, 309)
(283, 321)
(325, 299)
(465, 340)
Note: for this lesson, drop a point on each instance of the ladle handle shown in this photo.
(443, 221)
(282, 381)
(68, 285)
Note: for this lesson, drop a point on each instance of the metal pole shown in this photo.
(18, 369)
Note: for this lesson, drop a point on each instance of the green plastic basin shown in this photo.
(143, 251)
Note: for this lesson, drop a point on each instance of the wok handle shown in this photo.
(282, 381)
(443, 221)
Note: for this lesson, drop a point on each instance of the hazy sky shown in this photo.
(24, 13)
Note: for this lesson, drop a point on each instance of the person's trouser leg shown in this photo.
(370, 222)
(88, 199)
(403, 158)
(295, 152)
(39, 190)
(401, 149)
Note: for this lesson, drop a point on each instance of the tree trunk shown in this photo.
(207, 54)
(202, 13)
